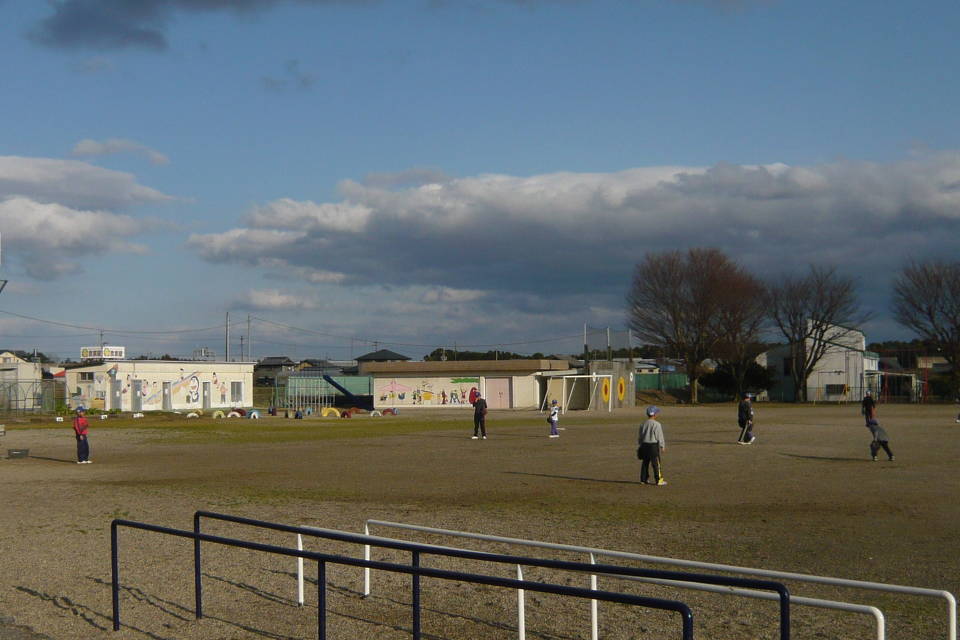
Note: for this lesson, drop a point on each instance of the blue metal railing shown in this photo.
(356, 538)
(414, 570)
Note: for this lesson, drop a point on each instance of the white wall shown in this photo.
(186, 384)
(446, 391)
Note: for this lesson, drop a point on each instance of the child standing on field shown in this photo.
(651, 442)
(554, 419)
(880, 439)
(80, 430)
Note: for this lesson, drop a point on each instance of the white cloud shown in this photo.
(73, 184)
(574, 238)
(273, 300)
(91, 148)
(53, 212)
(48, 237)
(309, 216)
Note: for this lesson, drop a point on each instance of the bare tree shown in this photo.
(740, 321)
(926, 300)
(675, 300)
(813, 313)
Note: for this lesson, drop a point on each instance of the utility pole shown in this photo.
(249, 340)
(226, 338)
(586, 349)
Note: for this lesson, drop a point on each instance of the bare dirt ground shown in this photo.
(805, 498)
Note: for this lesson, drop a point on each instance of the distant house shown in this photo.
(272, 367)
(931, 362)
(846, 370)
(383, 355)
(323, 367)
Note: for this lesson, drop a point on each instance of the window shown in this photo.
(236, 392)
(836, 389)
(86, 376)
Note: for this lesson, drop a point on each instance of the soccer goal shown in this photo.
(599, 386)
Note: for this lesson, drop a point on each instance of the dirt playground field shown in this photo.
(805, 498)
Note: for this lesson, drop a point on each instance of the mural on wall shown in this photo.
(186, 386)
(427, 391)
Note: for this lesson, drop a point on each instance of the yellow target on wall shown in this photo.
(621, 389)
(605, 389)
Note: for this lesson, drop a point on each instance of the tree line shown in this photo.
(700, 304)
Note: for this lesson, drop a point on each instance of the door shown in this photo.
(167, 399)
(499, 394)
(136, 398)
(116, 395)
(206, 395)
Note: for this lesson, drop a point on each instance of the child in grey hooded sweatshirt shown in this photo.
(880, 439)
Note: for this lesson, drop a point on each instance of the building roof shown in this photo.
(276, 361)
(890, 363)
(383, 355)
(450, 367)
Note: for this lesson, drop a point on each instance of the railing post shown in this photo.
(115, 574)
(594, 623)
(521, 608)
(366, 556)
(416, 596)
(321, 599)
(299, 571)
(197, 580)
(785, 614)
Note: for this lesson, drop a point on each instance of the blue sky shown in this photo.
(423, 173)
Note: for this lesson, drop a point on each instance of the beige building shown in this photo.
(506, 384)
(21, 383)
(160, 385)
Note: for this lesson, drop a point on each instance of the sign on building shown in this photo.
(103, 353)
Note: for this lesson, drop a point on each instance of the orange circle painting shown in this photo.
(605, 389)
(621, 389)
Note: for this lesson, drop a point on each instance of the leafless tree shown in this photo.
(813, 312)
(741, 319)
(678, 300)
(926, 300)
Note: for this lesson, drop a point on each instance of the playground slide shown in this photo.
(363, 402)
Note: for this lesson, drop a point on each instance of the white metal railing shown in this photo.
(693, 564)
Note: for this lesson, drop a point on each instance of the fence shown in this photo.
(779, 575)
(414, 570)
(781, 592)
(31, 396)
(311, 390)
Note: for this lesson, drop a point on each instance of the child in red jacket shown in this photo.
(80, 428)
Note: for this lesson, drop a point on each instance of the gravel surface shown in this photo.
(804, 498)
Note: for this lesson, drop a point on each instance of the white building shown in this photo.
(155, 385)
(21, 383)
(844, 372)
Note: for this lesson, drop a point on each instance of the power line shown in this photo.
(105, 329)
(150, 334)
(411, 344)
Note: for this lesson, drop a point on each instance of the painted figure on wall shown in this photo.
(193, 389)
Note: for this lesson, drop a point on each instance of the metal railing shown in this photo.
(414, 570)
(781, 592)
(710, 566)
